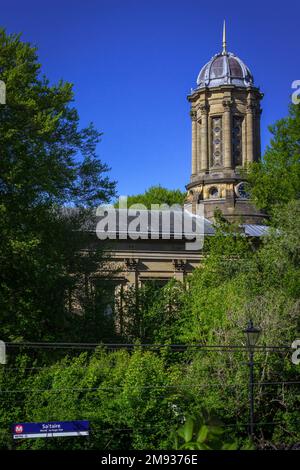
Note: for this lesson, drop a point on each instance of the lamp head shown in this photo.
(252, 335)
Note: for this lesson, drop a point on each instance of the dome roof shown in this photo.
(225, 68)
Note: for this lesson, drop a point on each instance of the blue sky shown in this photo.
(134, 62)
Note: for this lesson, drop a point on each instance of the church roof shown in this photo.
(182, 223)
(155, 224)
(158, 223)
(254, 230)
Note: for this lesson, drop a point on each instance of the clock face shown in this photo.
(241, 191)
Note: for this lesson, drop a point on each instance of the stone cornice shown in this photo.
(223, 88)
(216, 180)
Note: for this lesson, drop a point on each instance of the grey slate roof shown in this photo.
(175, 223)
(252, 230)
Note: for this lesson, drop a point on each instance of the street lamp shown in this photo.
(252, 335)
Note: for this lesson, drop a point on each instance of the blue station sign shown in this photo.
(50, 429)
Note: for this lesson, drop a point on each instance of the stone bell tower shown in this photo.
(225, 114)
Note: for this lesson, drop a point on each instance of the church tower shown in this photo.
(225, 114)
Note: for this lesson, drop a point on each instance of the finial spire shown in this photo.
(224, 38)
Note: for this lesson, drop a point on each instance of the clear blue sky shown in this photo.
(133, 62)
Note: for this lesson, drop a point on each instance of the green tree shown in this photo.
(127, 397)
(151, 313)
(235, 284)
(47, 162)
(276, 179)
(202, 433)
(158, 195)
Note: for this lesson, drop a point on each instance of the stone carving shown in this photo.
(204, 108)
(251, 107)
(227, 103)
(131, 264)
(193, 115)
(179, 265)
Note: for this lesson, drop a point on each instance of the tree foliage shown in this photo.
(158, 195)
(202, 433)
(47, 162)
(276, 179)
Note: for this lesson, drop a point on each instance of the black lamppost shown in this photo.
(252, 335)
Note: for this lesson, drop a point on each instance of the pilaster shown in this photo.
(227, 133)
(193, 115)
(204, 136)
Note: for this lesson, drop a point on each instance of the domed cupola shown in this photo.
(225, 119)
(225, 68)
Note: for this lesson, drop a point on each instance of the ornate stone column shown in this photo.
(258, 138)
(194, 141)
(227, 133)
(249, 132)
(204, 137)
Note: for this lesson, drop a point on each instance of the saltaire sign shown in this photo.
(50, 429)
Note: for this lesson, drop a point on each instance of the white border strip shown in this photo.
(51, 434)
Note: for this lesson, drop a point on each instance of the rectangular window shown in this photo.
(216, 140)
(237, 141)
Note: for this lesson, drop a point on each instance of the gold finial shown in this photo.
(224, 38)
